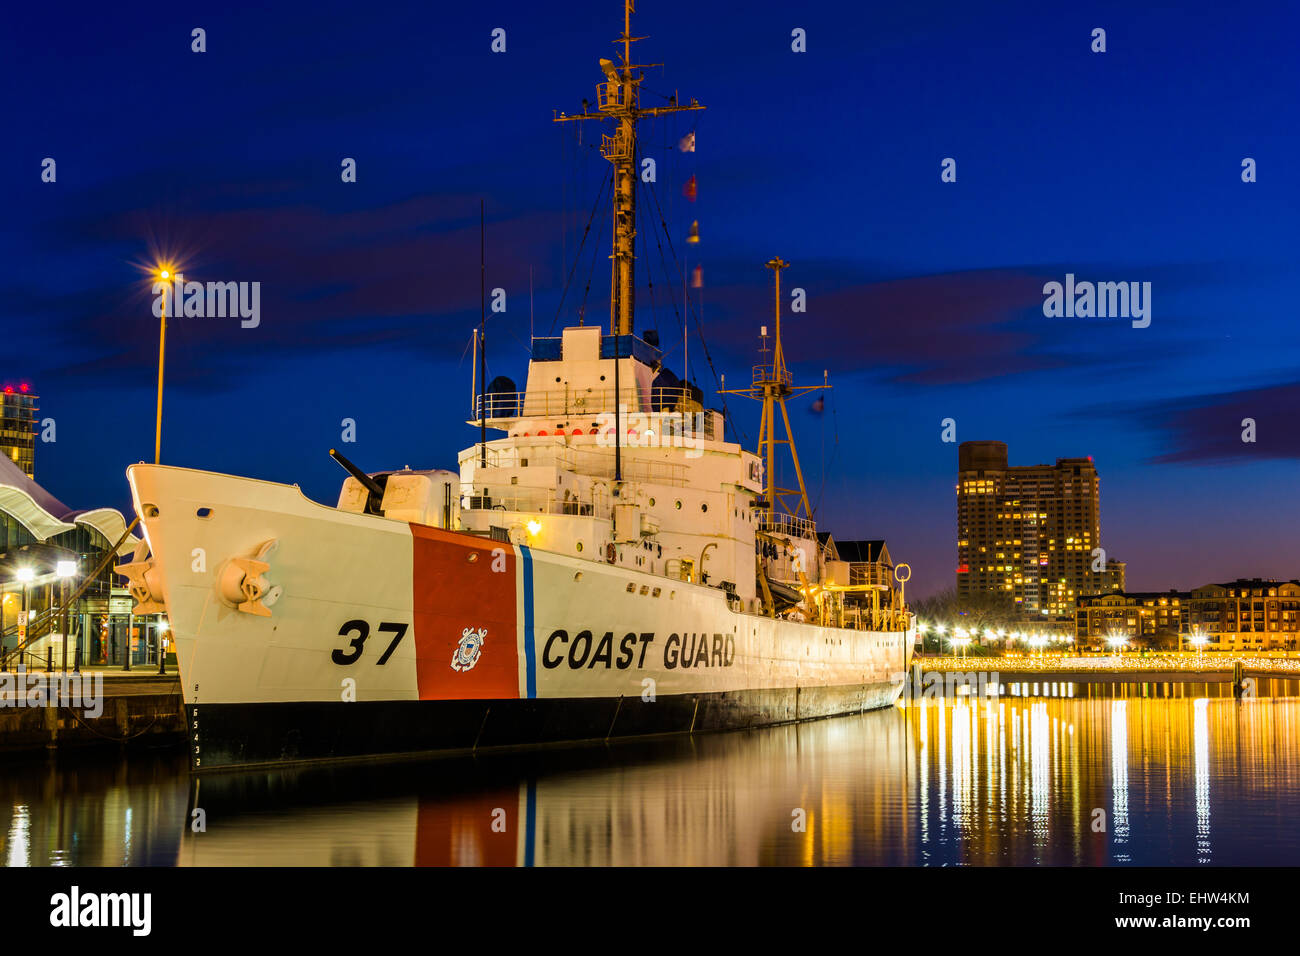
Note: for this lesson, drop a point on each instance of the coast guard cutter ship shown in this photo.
(607, 565)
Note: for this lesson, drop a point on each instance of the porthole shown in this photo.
(472, 557)
(203, 513)
(704, 506)
(578, 546)
(679, 506)
(652, 502)
(577, 576)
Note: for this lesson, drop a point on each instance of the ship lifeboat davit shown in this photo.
(242, 583)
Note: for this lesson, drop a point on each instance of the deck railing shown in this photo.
(569, 403)
(781, 523)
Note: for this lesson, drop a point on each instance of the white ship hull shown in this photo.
(388, 637)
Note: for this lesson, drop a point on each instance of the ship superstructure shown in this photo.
(607, 564)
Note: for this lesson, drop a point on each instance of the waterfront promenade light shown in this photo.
(163, 628)
(26, 576)
(1117, 641)
(65, 571)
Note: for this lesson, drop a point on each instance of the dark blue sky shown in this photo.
(924, 298)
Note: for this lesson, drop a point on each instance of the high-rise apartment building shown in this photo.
(1027, 533)
(18, 427)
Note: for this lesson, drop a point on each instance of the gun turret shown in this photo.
(374, 490)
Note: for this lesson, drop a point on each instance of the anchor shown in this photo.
(144, 581)
(242, 583)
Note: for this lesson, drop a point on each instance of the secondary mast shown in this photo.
(772, 385)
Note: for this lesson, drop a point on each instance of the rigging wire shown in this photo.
(650, 284)
(609, 178)
(708, 357)
(835, 450)
(595, 254)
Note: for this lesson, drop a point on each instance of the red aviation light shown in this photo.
(23, 387)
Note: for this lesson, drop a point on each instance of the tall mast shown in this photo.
(618, 99)
(772, 385)
(482, 337)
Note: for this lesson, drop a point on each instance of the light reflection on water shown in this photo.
(1119, 774)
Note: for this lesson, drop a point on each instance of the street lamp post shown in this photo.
(27, 576)
(65, 571)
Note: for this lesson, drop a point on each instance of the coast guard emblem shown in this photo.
(469, 649)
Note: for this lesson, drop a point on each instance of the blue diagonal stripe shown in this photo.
(530, 660)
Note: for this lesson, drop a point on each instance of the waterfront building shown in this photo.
(1027, 533)
(1157, 618)
(1248, 614)
(18, 427)
(1242, 615)
(40, 537)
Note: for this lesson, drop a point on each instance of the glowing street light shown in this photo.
(65, 571)
(26, 576)
(163, 628)
(1117, 641)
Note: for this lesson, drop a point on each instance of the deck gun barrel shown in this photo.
(375, 489)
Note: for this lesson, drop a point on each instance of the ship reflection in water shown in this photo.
(1080, 775)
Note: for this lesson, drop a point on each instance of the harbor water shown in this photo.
(1053, 774)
